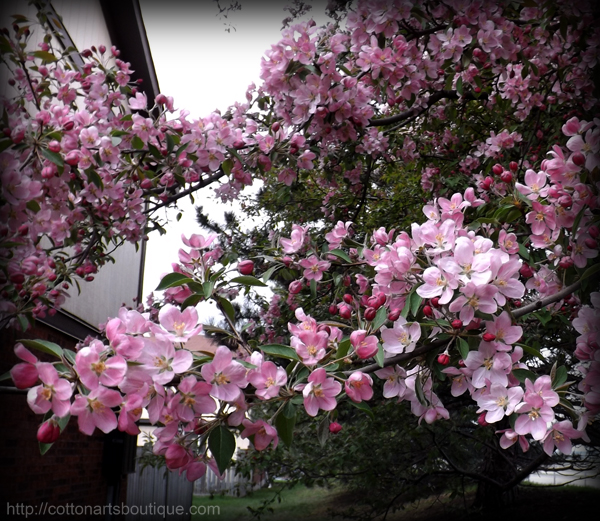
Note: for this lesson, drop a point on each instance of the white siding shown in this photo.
(118, 283)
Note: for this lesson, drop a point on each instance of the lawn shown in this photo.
(315, 504)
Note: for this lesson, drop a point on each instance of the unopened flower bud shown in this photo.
(246, 267)
(443, 359)
(457, 323)
(49, 431)
(488, 337)
(335, 427)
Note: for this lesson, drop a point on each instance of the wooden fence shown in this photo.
(156, 494)
(232, 484)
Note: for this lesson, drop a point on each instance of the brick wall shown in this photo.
(71, 472)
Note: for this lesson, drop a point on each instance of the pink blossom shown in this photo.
(320, 392)
(499, 402)
(293, 244)
(177, 325)
(310, 346)
(402, 337)
(358, 387)
(54, 393)
(193, 399)
(225, 375)
(161, 361)
(24, 375)
(267, 380)
(560, 436)
(314, 268)
(94, 369)
(394, 381)
(263, 434)
(501, 327)
(95, 410)
(364, 346)
(474, 298)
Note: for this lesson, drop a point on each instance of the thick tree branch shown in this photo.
(539, 304)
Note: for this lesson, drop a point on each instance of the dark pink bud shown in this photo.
(427, 311)
(370, 314)
(506, 177)
(48, 432)
(335, 427)
(481, 420)
(578, 158)
(394, 314)
(488, 337)
(345, 311)
(513, 165)
(295, 287)
(246, 267)
(348, 299)
(333, 309)
(443, 359)
(457, 323)
(497, 169)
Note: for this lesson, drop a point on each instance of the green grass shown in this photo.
(300, 503)
(565, 503)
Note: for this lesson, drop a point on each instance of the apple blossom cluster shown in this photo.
(87, 159)
(433, 310)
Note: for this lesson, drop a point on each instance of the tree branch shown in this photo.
(539, 304)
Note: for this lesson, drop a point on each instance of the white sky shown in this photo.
(205, 68)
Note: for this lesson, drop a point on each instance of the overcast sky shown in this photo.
(205, 68)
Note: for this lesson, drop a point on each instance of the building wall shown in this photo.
(71, 472)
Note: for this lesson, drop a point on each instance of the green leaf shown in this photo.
(137, 143)
(192, 300)
(45, 56)
(415, 304)
(207, 288)
(280, 351)
(532, 351)
(543, 316)
(170, 143)
(323, 430)
(590, 271)
(463, 347)
(459, 86)
(380, 356)
(523, 252)
(269, 273)
(407, 306)
(285, 422)
(62, 423)
(33, 206)
(44, 346)
(343, 348)
(227, 308)
(380, 319)
(227, 165)
(53, 157)
(5, 377)
(172, 280)
(313, 288)
(222, 445)
(560, 377)
(4, 144)
(341, 254)
(69, 355)
(93, 177)
(363, 407)
(523, 374)
(248, 280)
